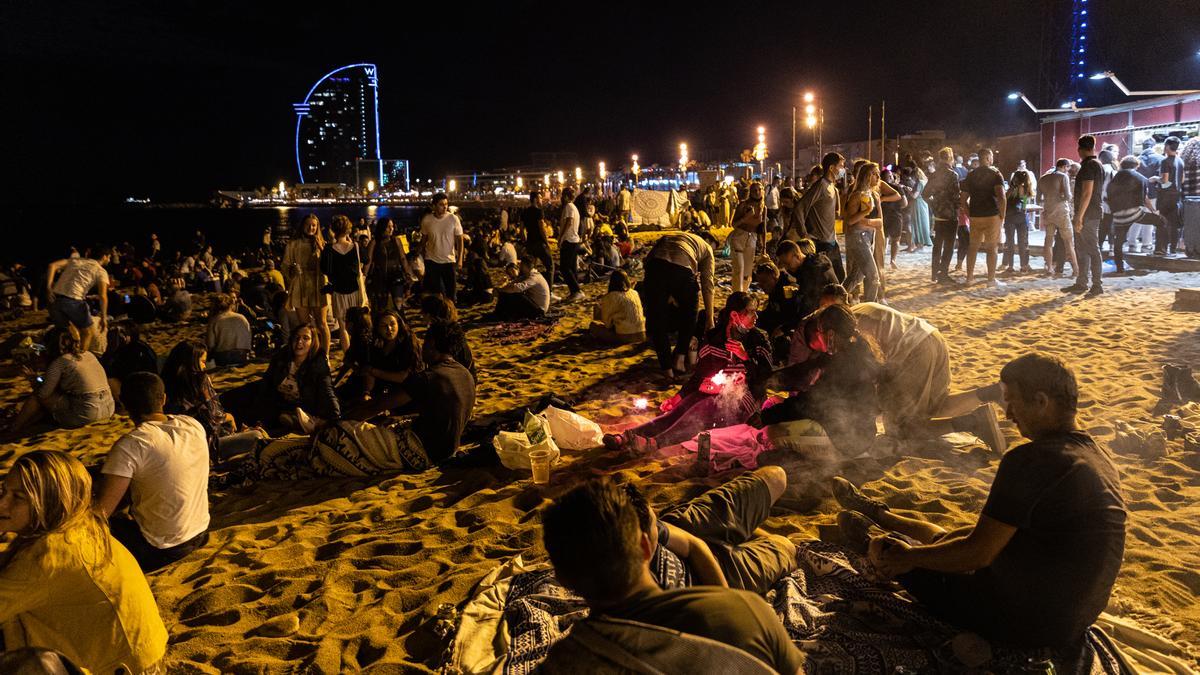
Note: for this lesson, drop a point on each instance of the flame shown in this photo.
(641, 403)
(719, 378)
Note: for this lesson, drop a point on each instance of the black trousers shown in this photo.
(441, 278)
(148, 556)
(568, 257)
(964, 242)
(1166, 236)
(834, 253)
(540, 252)
(944, 232)
(671, 296)
(515, 307)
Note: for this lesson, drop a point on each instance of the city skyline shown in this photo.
(136, 99)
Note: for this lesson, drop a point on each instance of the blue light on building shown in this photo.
(337, 127)
(1078, 65)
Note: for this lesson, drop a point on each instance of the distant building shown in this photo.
(337, 128)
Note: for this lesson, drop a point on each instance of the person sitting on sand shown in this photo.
(127, 353)
(600, 551)
(679, 268)
(525, 296)
(1038, 566)
(618, 317)
(163, 465)
(812, 270)
(74, 390)
(65, 583)
(296, 392)
(914, 389)
(67, 296)
(394, 356)
(190, 392)
(228, 334)
(727, 387)
(357, 359)
(716, 535)
(435, 307)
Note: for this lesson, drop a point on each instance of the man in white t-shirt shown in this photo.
(442, 246)
(569, 243)
(67, 297)
(163, 465)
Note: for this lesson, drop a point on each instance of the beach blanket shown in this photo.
(843, 621)
(650, 206)
(345, 448)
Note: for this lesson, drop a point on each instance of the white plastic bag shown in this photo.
(572, 431)
(513, 447)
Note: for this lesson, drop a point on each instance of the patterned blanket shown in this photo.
(843, 621)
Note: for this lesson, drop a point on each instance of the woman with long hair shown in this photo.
(388, 271)
(727, 387)
(342, 264)
(863, 218)
(190, 392)
(1016, 222)
(74, 390)
(618, 317)
(297, 389)
(745, 239)
(305, 283)
(65, 583)
(395, 355)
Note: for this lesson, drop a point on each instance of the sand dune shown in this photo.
(341, 575)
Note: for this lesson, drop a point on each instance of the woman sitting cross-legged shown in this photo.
(618, 317)
(394, 356)
(727, 387)
(74, 391)
(65, 583)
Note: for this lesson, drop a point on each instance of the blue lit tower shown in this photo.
(1078, 55)
(337, 125)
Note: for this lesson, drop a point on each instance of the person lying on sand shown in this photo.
(727, 387)
(65, 583)
(914, 389)
(717, 535)
(600, 552)
(163, 464)
(1039, 565)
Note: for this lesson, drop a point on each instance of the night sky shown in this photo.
(175, 99)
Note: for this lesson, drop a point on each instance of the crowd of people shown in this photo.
(799, 319)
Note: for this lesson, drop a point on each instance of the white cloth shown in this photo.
(78, 277)
(568, 224)
(622, 312)
(508, 253)
(228, 332)
(167, 464)
(441, 235)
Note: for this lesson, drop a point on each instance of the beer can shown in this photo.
(703, 451)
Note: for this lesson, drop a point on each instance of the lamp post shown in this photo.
(760, 148)
(603, 173)
(636, 169)
(1109, 75)
(1069, 105)
(520, 183)
(578, 175)
(452, 186)
(282, 189)
(683, 159)
(810, 121)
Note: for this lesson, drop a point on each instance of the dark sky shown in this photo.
(175, 99)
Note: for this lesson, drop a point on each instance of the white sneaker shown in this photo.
(576, 296)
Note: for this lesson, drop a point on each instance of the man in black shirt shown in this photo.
(1089, 191)
(537, 246)
(983, 197)
(1039, 565)
(1170, 198)
(1127, 198)
(943, 195)
(596, 543)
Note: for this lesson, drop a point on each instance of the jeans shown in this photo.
(666, 282)
(148, 556)
(64, 310)
(1087, 252)
(441, 278)
(568, 258)
(742, 246)
(1016, 235)
(834, 253)
(861, 251)
(1167, 235)
(943, 247)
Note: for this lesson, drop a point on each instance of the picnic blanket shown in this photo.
(841, 619)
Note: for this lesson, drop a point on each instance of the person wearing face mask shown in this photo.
(818, 209)
(738, 354)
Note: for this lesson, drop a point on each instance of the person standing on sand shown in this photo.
(600, 552)
(678, 269)
(1038, 566)
(569, 243)
(1054, 192)
(983, 198)
(818, 209)
(744, 241)
(443, 247)
(1088, 188)
(163, 465)
(68, 294)
(537, 246)
(944, 200)
(302, 267)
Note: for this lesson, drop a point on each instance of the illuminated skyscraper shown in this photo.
(337, 125)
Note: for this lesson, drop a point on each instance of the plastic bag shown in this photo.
(572, 431)
(513, 447)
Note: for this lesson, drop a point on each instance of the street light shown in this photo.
(520, 183)
(452, 185)
(1069, 105)
(546, 180)
(560, 178)
(760, 149)
(683, 156)
(282, 188)
(1109, 75)
(603, 171)
(636, 170)
(370, 186)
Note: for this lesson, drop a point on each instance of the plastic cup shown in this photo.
(539, 461)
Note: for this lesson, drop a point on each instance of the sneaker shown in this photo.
(987, 428)
(576, 296)
(305, 421)
(994, 283)
(1095, 290)
(851, 498)
(858, 530)
(1075, 288)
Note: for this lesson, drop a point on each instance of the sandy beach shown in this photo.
(340, 575)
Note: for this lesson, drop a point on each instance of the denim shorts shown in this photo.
(65, 309)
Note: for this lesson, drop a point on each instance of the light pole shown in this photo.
(760, 149)
(578, 175)
(683, 160)
(635, 169)
(603, 179)
(1110, 75)
(1070, 105)
(810, 121)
